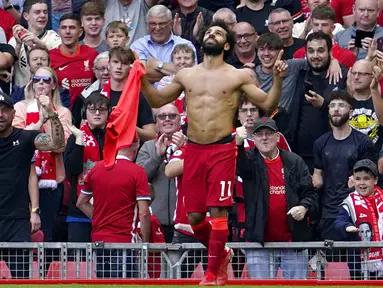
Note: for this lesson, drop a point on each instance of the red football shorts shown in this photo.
(208, 175)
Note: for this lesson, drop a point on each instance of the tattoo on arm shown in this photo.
(46, 142)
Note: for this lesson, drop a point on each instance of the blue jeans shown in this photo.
(50, 201)
(294, 264)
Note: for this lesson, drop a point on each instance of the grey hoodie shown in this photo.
(164, 203)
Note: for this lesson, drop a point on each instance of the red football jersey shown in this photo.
(74, 72)
(342, 9)
(115, 195)
(248, 144)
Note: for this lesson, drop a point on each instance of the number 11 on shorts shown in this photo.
(225, 193)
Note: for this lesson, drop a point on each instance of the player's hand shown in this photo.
(315, 99)
(317, 181)
(240, 135)
(352, 229)
(334, 72)
(35, 222)
(297, 212)
(177, 27)
(161, 145)
(351, 183)
(280, 66)
(377, 75)
(179, 139)
(46, 102)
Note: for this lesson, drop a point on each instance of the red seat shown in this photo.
(198, 272)
(337, 271)
(54, 271)
(5, 273)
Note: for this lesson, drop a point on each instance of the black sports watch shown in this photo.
(9, 7)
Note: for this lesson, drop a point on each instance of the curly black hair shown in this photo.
(230, 36)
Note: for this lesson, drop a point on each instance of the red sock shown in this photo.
(218, 238)
(202, 232)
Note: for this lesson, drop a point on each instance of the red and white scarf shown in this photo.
(370, 210)
(45, 161)
(106, 89)
(91, 155)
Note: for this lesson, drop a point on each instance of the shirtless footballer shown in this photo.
(213, 89)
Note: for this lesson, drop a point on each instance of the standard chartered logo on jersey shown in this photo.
(82, 82)
(277, 190)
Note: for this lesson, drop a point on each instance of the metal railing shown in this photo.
(293, 260)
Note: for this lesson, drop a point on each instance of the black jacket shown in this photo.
(252, 169)
(74, 164)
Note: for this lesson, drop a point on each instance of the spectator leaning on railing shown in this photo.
(278, 211)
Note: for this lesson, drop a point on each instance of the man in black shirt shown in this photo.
(281, 23)
(309, 115)
(256, 12)
(245, 51)
(18, 206)
(335, 154)
(120, 60)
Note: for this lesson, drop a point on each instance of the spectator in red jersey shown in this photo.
(114, 218)
(278, 211)
(7, 21)
(84, 149)
(49, 165)
(152, 155)
(344, 11)
(323, 19)
(72, 62)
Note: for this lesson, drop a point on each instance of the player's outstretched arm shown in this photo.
(157, 98)
(270, 100)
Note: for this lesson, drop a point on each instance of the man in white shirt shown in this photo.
(132, 12)
(36, 14)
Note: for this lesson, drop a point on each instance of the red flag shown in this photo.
(121, 127)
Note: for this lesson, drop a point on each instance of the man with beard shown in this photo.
(309, 118)
(213, 89)
(335, 154)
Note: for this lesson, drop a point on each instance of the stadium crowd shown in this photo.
(307, 168)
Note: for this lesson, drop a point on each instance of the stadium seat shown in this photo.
(54, 271)
(5, 273)
(337, 271)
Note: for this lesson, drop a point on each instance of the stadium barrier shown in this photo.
(318, 261)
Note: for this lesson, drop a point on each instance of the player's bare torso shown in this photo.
(212, 97)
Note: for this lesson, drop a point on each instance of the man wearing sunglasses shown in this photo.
(213, 89)
(152, 157)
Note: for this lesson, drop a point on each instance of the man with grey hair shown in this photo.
(154, 50)
(256, 12)
(227, 16)
(366, 13)
(281, 23)
(132, 12)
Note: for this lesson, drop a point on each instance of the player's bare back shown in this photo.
(212, 97)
